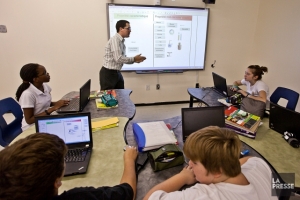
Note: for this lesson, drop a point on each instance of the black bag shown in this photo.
(235, 99)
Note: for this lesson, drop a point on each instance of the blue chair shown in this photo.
(290, 95)
(10, 131)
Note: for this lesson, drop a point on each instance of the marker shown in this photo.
(245, 152)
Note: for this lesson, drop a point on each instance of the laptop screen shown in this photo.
(282, 119)
(72, 128)
(194, 119)
(220, 83)
(85, 94)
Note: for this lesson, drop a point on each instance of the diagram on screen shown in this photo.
(74, 131)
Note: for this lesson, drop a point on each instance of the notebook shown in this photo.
(76, 131)
(282, 119)
(196, 118)
(220, 85)
(78, 104)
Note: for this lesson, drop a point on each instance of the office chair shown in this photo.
(10, 131)
(287, 94)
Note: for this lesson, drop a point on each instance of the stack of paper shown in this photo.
(152, 135)
(94, 94)
(105, 124)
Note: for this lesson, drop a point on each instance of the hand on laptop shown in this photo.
(60, 103)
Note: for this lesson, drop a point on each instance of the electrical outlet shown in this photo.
(3, 29)
(157, 86)
(147, 87)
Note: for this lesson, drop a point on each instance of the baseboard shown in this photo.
(162, 103)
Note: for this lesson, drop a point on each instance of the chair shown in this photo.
(10, 131)
(290, 95)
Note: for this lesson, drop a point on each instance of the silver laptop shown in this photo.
(76, 131)
(78, 104)
(221, 86)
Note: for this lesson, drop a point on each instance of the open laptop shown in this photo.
(221, 86)
(196, 118)
(282, 119)
(76, 131)
(78, 104)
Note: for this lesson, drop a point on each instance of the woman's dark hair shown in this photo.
(27, 73)
(258, 70)
(121, 24)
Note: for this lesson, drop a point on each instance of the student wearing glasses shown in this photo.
(114, 58)
(34, 95)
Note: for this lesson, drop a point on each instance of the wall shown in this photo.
(68, 38)
(277, 44)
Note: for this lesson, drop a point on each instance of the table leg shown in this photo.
(191, 101)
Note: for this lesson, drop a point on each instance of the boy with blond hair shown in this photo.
(214, 162)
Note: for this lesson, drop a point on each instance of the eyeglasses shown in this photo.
(128, 28)
(45, 73)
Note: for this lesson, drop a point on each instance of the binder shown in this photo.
(105, 124)
(152, 135)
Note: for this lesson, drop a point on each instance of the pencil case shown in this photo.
(166, 157)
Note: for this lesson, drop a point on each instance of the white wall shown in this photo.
(277, 43)
(68, 38)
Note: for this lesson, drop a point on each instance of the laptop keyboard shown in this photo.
(73, 105)
(76, 155)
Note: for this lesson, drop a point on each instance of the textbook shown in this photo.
(242, 121)
(152, 135)
(105, 124)
(241, 131)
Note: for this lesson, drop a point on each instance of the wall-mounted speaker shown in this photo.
(209, 1)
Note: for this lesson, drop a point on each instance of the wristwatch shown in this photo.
(247, 95)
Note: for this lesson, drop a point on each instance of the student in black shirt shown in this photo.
(33, 168)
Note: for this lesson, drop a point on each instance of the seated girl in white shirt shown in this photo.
(256, 88)
(34, 94)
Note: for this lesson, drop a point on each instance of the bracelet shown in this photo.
(46, 111)
(247, 95)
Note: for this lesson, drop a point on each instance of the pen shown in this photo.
(244, 153)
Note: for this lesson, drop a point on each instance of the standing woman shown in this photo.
(34, 95)
(256, 88)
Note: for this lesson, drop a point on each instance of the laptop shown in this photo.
(220, 85)
(76, 131)
(282, 119)
(196, 118)
(78, 104)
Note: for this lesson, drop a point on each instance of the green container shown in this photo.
(165, 157)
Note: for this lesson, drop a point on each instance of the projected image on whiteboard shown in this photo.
(170, 38)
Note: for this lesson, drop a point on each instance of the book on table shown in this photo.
(105, 124)
(95, 94)
(152, 135)
(242, 122)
